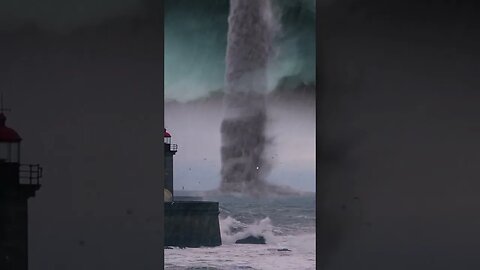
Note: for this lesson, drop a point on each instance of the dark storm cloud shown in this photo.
(195, 45)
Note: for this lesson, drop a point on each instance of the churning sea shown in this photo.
(287, 223)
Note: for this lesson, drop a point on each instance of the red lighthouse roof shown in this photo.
(7, 134)
(166, 134)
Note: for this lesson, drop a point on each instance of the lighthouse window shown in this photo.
(5, 151)
(9, 152)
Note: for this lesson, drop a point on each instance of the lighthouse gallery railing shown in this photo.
(30, 174)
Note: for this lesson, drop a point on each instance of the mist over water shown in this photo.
(244, 140)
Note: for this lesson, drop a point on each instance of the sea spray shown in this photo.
(233, 230)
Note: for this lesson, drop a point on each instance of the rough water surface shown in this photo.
(287, 223)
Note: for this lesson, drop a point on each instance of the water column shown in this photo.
(244, 142)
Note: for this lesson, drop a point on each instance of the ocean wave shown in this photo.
(232, 230)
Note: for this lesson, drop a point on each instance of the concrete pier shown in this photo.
(192, 224)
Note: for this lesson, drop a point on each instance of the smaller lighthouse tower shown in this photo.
(170, 150)
(18, 182)
(187, 223)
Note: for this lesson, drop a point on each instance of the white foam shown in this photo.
(232, 230)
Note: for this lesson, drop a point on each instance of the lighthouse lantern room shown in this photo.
(9, 143)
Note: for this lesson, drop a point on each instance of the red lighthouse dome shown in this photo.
(7, 135)
(166, 134)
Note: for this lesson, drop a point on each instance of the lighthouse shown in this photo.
(187, 222)
(170, 150)
(18, 183)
